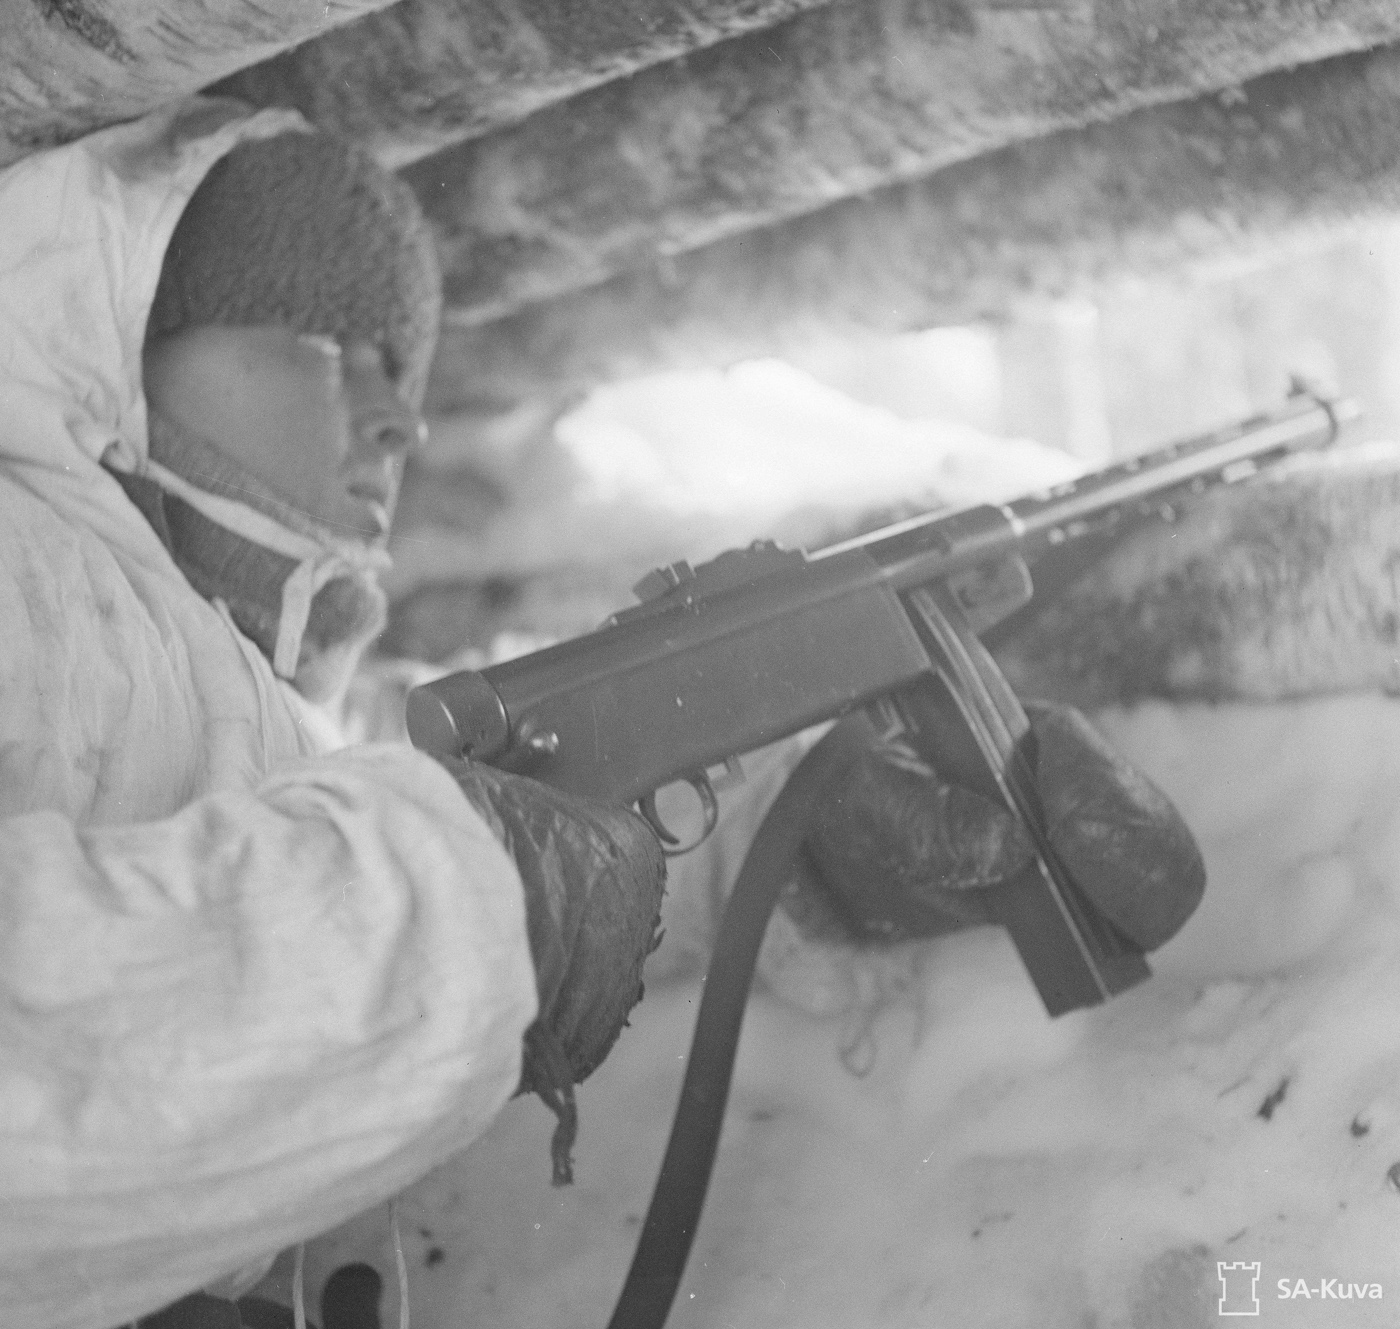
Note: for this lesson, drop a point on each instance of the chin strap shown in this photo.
(318, 559)
(298, 591)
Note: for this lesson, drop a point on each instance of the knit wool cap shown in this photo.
(307, 231)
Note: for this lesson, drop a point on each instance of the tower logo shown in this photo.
(1239, 1287)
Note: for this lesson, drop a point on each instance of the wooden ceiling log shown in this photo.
(68, 67)
(429, 73)
(833, 103)
(1155, 190)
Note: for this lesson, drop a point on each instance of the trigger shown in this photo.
(646, 805)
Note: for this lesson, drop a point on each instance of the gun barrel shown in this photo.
(926, 546)
(1224, 456)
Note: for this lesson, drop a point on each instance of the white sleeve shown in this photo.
(226, 1031)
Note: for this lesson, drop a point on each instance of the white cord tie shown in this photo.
(400, 1264)
(318, 560)
(299, 1288)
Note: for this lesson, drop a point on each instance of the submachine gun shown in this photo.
(762, 642)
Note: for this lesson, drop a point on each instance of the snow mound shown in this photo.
(988, 1168)
(993, 1167)
(765, 437)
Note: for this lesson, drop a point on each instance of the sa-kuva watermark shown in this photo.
(1334, 1289)
(1239, 1288)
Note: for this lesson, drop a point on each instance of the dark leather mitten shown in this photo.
(1119, 835)
(594, 877)
(899, 853)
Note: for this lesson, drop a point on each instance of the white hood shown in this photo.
(247, 988)
(85, 232)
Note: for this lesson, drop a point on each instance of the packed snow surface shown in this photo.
(995, 1167)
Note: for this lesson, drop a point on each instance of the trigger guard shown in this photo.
(646, 805)
(671, 845)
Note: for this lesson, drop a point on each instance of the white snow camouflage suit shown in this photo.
(249, 986)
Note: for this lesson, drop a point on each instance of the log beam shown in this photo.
(1155, 190)
(847, 98)
(429, 73)
(72, 66)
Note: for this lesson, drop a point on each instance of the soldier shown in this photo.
(253, 983)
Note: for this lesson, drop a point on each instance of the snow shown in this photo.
(764, 437)
(992, 1167)
(997, 1168)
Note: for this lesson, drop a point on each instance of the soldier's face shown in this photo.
(320, 424)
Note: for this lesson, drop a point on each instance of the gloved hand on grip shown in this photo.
(594, 877)
(898, 854)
